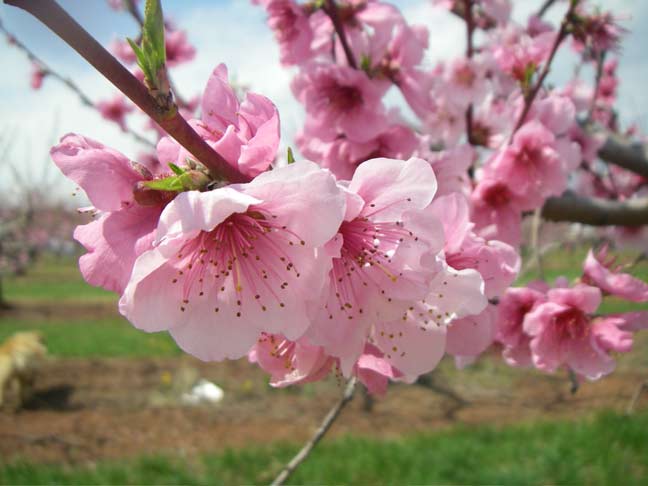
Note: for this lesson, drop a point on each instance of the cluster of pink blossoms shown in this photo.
(395, 245)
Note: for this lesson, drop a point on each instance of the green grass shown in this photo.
(608, 449)
(110, 337)
(55, 279)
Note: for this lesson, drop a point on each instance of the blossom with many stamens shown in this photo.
(236, 261)
(378, 255)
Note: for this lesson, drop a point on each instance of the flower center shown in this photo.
(248, 254)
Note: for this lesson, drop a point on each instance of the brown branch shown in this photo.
(630, 156)
(635, 397)
(546, 6)
(67, 82)
(531, 95)
(64, 26)
(332, 11)
(596, 212)
(470, 28)
(321, 431)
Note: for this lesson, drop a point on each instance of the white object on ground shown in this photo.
(203, 392)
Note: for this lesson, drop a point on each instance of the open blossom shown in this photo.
(379, 260)
(516, 53)
(563, 334)
(115, 110)
(512, 309)
(341, 100)
(245, 134)
(231, 263)
(293, 362)
(124, 228)
(497, 262)
(599, 272)
(531, 164)
(290, 23)
(342, 156)
(178, 49)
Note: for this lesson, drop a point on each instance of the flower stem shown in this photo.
(64, 26)
(301, 456)
(332, 11)
(531, 95)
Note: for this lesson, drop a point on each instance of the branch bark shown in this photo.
(56, 19)
(308, 447)
(596, 212)
(630, 156)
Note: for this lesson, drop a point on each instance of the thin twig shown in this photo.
(599, 74)
(573, 381)
(67, 82)
(321, 431)
(536, 223)
(635, 398)
(546, 6)
(531, 95)
(166, 115)
(470, 27)
(332, 11)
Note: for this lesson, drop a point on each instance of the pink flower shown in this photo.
(290, 362)
(290, 24)
(245, 134)
(115, 110)
(378, 269)
(37, 76)
(124, 228)
(562, 333)
(342, 156)
(472, 335)
(231, 263)
(531, 164)
(296, 362)
(497, 262)
(178, 49)
(451, 169)
(341, 101)
(519, 53)
(598, 271)
(497, 211)
(512, 309)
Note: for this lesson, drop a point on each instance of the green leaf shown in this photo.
(151, 54)
(153, 32)
(290, 156)
(172, 183)
(176, 170)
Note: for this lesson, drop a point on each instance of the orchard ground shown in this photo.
(107, 410)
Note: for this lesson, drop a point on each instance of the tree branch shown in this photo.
(331, 10)
(595, 211)
(64, 26)
(630, 156)
(326, 424)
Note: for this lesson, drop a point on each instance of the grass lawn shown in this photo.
(608, 449)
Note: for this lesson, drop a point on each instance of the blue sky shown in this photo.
(230, 31)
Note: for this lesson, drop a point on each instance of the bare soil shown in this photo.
(87, 410)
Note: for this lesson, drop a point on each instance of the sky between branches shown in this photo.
(234, 32)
